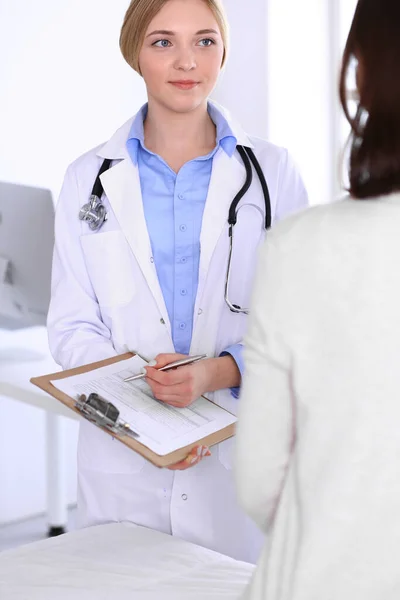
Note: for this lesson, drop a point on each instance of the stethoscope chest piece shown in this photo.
(94, 213)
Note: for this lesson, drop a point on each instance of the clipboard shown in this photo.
(44, 383)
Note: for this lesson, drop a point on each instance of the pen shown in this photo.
(178, 363)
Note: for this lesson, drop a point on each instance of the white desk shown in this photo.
(25, 354)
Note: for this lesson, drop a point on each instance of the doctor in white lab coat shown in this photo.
(110, 293)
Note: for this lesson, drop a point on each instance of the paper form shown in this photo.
(161, 427)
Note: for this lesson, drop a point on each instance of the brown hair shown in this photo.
(138, 17)
(374, 41)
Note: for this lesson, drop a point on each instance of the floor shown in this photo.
(26, 532)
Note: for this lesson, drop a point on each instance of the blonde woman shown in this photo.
(152, 276)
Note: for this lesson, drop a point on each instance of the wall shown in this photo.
(281, 82)
(64, 85)
(243, 86)
(300, 88)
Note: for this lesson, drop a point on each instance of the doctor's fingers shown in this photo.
(193, 458)
(163, 360)
(170, 378)
(179, 395)
(181, 403)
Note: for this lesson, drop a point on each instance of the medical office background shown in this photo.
(64, 88)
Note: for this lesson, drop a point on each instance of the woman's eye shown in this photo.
(207, 42)
(162, 44)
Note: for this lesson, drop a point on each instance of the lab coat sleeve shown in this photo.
(236, 352)
(292, 195)
(77, 335)
(265, 433)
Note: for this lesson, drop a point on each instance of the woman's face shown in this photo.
(181, 56)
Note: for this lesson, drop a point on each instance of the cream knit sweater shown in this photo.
(318, 448)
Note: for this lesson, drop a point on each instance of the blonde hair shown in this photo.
(139, 16)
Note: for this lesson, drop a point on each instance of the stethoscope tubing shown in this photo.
(96, 215)
(248, 157)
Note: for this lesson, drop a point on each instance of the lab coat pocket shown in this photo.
(109, 263)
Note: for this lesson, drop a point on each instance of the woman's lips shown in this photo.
(185, 85)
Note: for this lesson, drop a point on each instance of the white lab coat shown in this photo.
(320, 406)
(106, 299)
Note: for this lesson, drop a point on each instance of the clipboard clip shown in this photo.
(103, 414)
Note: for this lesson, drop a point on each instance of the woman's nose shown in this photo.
(185, 61)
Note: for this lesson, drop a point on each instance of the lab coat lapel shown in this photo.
(228, 176)
(122, 187)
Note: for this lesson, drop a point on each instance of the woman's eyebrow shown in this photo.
(161, 32)
(171, 33)
(204, 31)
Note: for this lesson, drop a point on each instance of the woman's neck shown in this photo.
(179, 137)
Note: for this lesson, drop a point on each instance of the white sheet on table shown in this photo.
(119, 562)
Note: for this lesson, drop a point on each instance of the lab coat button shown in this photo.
(200, 311)
(162, 321)
(184, 497)
(151, 259)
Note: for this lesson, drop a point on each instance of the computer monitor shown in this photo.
(26, 248)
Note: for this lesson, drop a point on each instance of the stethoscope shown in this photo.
(95, 214)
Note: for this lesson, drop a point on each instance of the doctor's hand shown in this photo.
(180, 387)
(192, 459)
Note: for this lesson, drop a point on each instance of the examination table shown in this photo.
(119, 561)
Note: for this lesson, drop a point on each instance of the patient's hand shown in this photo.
(192, 459)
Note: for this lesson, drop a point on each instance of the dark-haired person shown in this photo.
(318, 454)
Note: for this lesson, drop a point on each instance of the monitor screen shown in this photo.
(26, 249)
